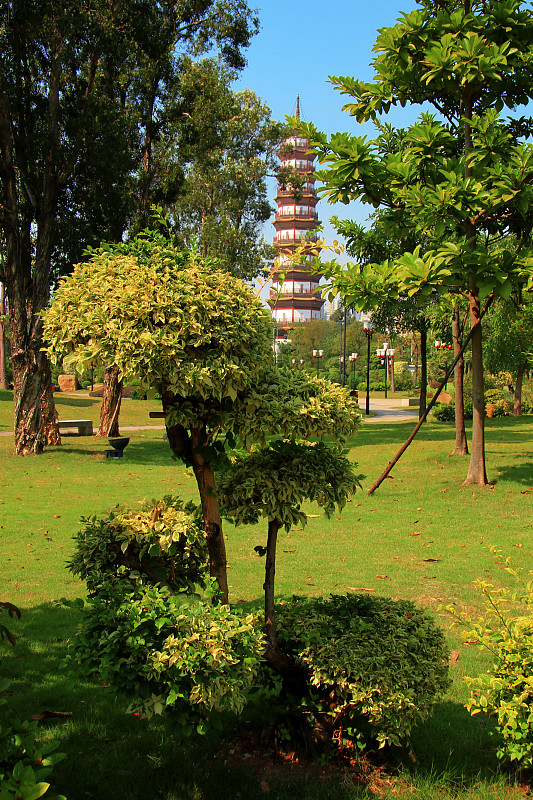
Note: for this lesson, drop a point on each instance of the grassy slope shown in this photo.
(380, 543)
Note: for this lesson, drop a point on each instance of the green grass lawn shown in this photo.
(422, 535)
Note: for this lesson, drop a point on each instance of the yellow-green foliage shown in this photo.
(274, 480)
(294, 405)
(161, 539)
(506, 691)
(180, 652)
(164, 316)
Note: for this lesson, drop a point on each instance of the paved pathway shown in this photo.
(388, 410)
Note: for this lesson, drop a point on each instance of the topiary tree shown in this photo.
(273, 482)
(161, 542)
(176, 323)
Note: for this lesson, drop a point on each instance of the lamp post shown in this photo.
(353, 359)
(443, 346)
(342, 374)
(390, 357)
(367, 327)
(318, 355)
(382, 353)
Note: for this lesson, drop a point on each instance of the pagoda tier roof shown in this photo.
(295, 274)
(300, 304)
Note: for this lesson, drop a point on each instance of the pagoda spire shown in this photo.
(295, 296)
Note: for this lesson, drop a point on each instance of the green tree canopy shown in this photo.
(461, 176)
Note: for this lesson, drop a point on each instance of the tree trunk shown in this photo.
(205, 478)
(392, 381)
(415, 373)
(517, 410)
(50, 427)
(187, 447)
(275, 657)
(423, 373)
(111, 400)
(476, 473)
(3, 353)
(461, 444)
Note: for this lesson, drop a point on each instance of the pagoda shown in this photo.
(295, 297)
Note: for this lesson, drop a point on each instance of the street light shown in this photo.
(383, 353)
(353, 359)
(367, 327)
(318, 355)
(390, 357)
(342, 373)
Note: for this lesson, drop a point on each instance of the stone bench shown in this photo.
(84, 426)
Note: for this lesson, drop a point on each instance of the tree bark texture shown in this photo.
(187, 447)
(476, 473)
(50, 426)
(205, 478)
(273, 654)
(111, 401)
(461, 443)
(423, 373)
(3, 348)
(28, 227)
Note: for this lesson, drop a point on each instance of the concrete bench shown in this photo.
(84, 426)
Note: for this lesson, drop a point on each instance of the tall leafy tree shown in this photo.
(463, 174)
(67, 70)
(222, 151)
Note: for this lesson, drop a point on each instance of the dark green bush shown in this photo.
(162, 540)
(375, 666)
(444, 412)
(165, 651)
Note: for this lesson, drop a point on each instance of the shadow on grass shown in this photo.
(520, 473)
(507, 430)
(81, 402)
(112, 753)
(153, 452)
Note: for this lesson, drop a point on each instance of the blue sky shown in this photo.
(300, 44)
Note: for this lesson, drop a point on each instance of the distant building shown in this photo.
(295, 296)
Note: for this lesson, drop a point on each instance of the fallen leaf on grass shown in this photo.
(416, 533)
(432, 559)
(49, 714)
(383, 577)
(454, 656)
(526, 491)
(360, 589)
(289, 551)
